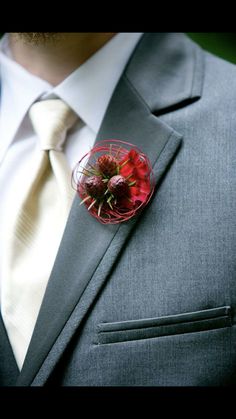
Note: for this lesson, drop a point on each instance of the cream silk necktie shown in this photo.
(36, 225)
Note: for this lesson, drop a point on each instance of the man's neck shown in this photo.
(54, 58)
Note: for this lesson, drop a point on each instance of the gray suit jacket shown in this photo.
(151, 301)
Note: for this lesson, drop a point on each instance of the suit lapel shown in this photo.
(8, 367)
(89, 249)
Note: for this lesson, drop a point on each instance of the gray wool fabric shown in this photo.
(151, 302)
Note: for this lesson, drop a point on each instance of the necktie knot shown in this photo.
(51, 119)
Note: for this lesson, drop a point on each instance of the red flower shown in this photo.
(127, 177)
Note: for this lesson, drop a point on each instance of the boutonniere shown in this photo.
(114, 181)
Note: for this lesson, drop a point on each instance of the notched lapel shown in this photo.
(89, 249)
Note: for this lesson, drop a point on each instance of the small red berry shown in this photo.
(107, 164)
(94, 186)
(118, 186)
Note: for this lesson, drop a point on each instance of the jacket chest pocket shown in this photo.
(191, 322)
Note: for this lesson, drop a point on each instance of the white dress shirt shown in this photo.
(87, 91)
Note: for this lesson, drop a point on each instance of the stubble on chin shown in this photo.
(37, 38)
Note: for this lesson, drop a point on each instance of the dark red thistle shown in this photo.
(114, 181)
(118, 186)
(107, 164)
(94, 186)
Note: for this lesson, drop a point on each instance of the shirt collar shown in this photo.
(19, 89)
(87, 90)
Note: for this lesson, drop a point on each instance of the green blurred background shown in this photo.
(222, 44)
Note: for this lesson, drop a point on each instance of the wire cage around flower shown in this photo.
(114, 180)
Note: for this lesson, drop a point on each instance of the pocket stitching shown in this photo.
(208, 323)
